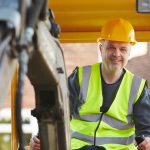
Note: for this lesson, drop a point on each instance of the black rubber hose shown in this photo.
(34, 12)
(23, 61)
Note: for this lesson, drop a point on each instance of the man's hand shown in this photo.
(145, 145)
(35, 143)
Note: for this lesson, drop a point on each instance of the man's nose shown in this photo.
(116, 52)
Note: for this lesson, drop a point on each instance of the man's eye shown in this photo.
(111, 47)
(123, 50)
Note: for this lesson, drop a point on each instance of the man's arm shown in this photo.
(141, 114)
(74, 90)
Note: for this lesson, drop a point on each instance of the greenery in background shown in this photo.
(26, 121)
(5, 138)
(5, 141)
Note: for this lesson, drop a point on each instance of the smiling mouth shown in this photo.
(114, 61)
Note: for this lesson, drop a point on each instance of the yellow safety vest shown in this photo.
(116, 131)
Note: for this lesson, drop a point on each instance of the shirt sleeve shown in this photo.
(141, 114)
(74, 88)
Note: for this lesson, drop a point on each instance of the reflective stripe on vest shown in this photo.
(104, 140)
(109, 120)
(134, 90)
(85, 83)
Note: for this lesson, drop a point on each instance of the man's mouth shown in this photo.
(115, 61)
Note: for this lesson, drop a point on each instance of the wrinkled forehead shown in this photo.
(116, 43)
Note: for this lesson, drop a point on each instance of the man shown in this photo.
(109, 105)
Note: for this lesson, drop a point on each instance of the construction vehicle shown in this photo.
(29, 37)
(33, 33)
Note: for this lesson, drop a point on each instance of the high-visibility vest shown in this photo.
(116, 130)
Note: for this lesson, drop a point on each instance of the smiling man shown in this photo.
(109, 105)
(109, 91)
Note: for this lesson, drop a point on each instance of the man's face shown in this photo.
(115, 54)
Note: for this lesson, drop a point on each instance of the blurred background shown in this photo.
(76, 54)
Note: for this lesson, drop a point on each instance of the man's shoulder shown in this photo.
(84, 68)
(137, 77)
(134, 74)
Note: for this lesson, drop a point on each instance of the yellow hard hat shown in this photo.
(118, 30)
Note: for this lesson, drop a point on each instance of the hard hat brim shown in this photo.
(102, 39)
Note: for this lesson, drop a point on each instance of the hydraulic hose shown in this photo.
(23, 62)
(34, 13)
